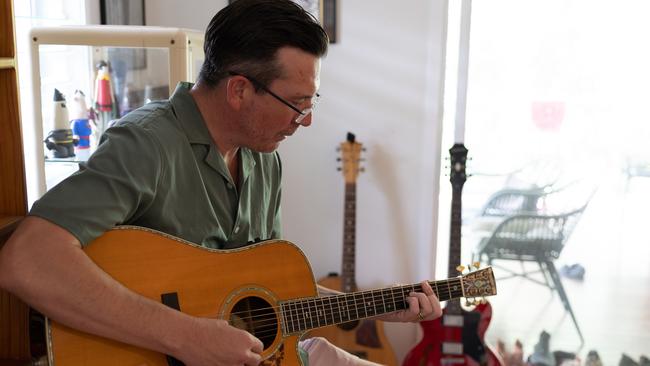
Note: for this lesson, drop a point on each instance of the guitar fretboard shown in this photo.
(349, 238)
(305, 314)
(458, 176)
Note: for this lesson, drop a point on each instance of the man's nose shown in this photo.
(307, 120)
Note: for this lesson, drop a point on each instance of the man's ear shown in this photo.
(237, 90)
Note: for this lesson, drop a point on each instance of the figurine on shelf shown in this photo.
(81, 125)
(59, 141)
(104, 99)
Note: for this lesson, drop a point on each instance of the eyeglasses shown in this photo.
(302, 114)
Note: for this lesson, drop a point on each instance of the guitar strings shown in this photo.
(360, 298)
(348, 300)
(267, 323)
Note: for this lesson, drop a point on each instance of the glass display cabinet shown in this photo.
(87, 77)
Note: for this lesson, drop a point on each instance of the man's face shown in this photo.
(268, 121)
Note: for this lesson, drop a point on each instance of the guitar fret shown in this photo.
(326, 311)
(373, 302)
(366, 304)
(449, 290)
(437, 291)
(330, 310)
(302, 313)
(310, 314)
(356, 306)
(343, 310)
(285, 329)
(293, 316)
(392, 295)
(314, 308)
(336, 310)
(363, 304)
(322, 320)
(383, 302)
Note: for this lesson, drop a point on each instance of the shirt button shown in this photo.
(236, 229)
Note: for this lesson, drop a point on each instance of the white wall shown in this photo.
(383, 82)
(192, 14)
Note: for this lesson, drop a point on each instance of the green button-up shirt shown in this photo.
(159, 168)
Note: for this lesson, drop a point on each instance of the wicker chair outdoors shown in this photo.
(532, 237)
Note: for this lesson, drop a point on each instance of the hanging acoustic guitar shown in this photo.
(364, 338)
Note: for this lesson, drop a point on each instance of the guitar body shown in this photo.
(430, 351)
(364, 338)
(267, 289)
(207, 283)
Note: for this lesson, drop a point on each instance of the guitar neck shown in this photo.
(305, 314)
(455, 231)
(349, 238)
(458, 157)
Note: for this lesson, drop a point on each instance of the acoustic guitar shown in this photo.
(457, 337)
(365, 338)
(267, 289)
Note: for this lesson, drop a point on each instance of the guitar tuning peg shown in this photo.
(339, 169)
(362, 169)
(338, 149)
(363, 149)
(338, 159)
(476, 264)
(460, 268)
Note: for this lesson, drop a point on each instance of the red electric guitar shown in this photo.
(456, 338)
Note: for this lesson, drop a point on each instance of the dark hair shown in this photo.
(245, 36)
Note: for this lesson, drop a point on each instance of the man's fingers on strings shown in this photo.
(433, 300)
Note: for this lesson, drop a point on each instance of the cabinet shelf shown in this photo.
(135, 64)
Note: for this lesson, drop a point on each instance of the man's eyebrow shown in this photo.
(305, 96)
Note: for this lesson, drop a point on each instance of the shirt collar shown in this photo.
(197, 132)
(188, 112)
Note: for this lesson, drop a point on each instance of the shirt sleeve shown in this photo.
(116, 185)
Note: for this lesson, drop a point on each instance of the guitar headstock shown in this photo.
(479, 283)
(457, 174)
(350, 158)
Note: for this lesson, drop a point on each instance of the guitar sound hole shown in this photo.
(256, 316)
(349, 325)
